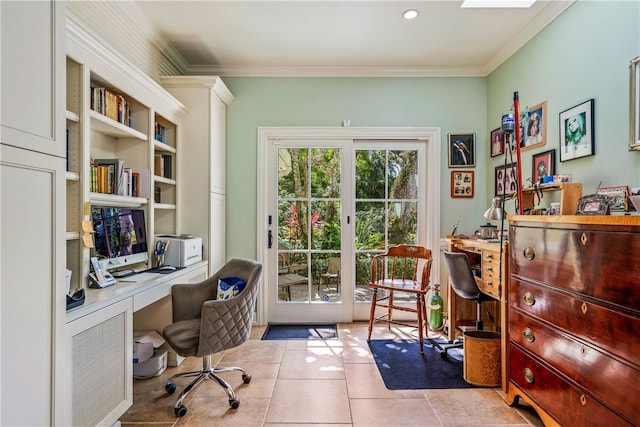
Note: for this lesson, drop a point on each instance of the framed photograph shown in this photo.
(544, 165)
(462, 183)
(634, 104)
(506, 181)
(462, 150)
(576, 132)
(533, 124)
(497, 142)
(619, 197)
(593, 204)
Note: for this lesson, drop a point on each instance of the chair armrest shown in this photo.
(187, 299)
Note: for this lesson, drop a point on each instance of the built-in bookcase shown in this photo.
(114, 133)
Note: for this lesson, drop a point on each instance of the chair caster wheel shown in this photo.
(169, 388)
(181, 411)
(234, 403)
(246, 378)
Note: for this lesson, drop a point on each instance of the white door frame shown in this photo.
(266, 134)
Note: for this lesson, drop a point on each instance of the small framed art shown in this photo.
(535, 127)
(576, 132)
(544, 165)
(462, 183)
(593, 204)
(497, 142)
(506, 182)
(462, 150)
(619, 197)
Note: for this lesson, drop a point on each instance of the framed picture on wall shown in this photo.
(462, 150)
(576, 132)
(505, 180)
(497, 142)
(462, 183)
(534, 127)
(544, 164)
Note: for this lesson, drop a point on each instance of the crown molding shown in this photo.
(334, 71)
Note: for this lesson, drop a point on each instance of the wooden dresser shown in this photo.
(574, 318)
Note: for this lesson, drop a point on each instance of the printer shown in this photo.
(182, 250)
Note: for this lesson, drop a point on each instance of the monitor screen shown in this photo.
(120, 236)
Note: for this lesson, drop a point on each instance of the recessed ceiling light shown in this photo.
(497, 3)
(410, 14)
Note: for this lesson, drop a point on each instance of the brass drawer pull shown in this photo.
(528, 375)
(529, 299)
(488, 256)
(529, 253)
(528, 335)
(489, 283)
(488, 268)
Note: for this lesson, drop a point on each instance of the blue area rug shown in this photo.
(403, 367)
(300, 332)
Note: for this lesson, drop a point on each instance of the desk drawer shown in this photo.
(564, 401)
(490, 267)
(606, 378)
(614, 331)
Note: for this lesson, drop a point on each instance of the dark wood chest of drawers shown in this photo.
(574, 318)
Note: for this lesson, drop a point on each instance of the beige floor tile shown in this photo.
(472, 406)
(313, 363)
(213, 413)
(263, 379)
(309, 401)
(335, 345)
(254, 351)
(356, 350)
(392, 412)
(364, 382)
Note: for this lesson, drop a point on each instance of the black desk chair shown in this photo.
(463, 283)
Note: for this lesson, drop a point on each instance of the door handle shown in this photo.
(270, 239)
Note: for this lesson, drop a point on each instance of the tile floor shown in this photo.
(320, 383)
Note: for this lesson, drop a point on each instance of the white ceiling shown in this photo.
(344, 38)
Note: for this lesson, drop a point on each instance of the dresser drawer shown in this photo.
(601, 264)
(606, 378)
(614, 331)
(564, 401)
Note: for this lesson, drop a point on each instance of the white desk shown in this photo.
(100, 336)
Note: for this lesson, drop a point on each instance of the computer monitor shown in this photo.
(120, 236)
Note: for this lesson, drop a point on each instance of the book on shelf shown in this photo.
(163, 165)
(159, 132)
(112, 105)
(110, 176)
(142, 177)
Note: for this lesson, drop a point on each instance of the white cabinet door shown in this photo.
(33, 85)
(32, 304)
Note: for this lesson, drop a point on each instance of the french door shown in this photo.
(330, 205)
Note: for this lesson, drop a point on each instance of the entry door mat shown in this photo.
(300, 332)
(403, 367)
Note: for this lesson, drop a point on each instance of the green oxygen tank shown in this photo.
(435, 315)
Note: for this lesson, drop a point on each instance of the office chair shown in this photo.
(203, 325)
(463, 283)
(397, 270)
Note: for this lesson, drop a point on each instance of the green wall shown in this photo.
(583, 54)
(453, 104)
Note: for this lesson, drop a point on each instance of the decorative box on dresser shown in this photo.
(574, 317)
